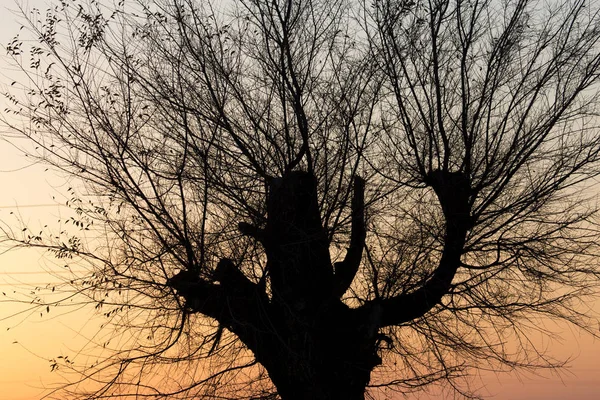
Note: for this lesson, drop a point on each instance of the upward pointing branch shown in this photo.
(453, 192)
(346, 270)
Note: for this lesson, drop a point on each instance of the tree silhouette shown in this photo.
(307, 198)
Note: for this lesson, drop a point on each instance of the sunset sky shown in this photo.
(28, 340)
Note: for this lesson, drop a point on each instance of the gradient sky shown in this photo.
(29, 340)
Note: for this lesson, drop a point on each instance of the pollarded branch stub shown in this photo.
(296, 243)
(200, 295)
(454, 193)
(346, 270)
(183, 282)
(453, 190)
(230, 275)
(252, 231)
(359, 232)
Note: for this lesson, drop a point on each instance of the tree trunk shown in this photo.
(326, 350)
(312, 344)
(325, 362)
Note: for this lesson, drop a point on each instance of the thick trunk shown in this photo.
(330, 359)
(299, 381)
(312, 344)
(325, 350)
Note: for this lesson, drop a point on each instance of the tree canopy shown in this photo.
(309, 198)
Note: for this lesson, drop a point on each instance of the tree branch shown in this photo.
(252, 231)
(201, 296)
(453, 192)
(236, 302)
(345, 271)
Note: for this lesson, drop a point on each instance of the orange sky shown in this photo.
(24, 366)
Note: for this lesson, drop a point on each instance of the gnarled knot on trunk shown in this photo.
(226, 273)
(184, 281)
(252, 231)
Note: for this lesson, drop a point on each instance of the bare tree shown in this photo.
(308, 198)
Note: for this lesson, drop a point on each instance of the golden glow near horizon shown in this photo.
(29, 340)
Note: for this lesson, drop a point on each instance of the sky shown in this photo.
(28, 340)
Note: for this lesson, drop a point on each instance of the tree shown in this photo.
(313, 188)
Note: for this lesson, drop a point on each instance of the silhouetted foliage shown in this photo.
(308, 198)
